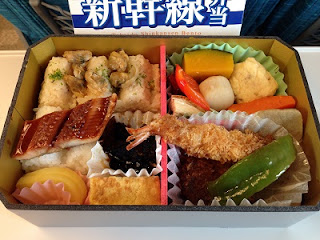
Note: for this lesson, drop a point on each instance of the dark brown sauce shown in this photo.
(39, 133)
(85, 120)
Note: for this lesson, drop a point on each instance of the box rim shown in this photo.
(151, 207)
(160, 36)
(155, 208)
(14, 99)
(309, 96)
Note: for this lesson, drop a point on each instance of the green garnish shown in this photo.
(81, 59)
(130, 67)
(105, 73)
(151, 84)
(56, 75)
(138, 79)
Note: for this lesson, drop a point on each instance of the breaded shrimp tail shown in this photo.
(201, 140)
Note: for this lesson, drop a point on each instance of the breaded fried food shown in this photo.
(201, 140)
(124, 191)
(195, 173)
(251, 81)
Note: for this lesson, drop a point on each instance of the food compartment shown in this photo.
(72, 88)
(192, 176)
(207, 63)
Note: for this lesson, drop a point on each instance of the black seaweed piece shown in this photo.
(113, 141)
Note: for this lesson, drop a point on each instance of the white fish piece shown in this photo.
(54, 91)
(142, 90)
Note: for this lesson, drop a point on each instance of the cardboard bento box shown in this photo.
(155, 49)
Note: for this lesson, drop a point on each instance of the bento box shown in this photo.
(156, 49)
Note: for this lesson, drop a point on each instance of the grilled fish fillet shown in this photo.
(55, 131)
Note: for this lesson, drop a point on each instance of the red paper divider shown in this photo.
(163, 92)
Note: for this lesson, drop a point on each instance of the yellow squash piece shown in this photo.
(73, 183)
(201, 64)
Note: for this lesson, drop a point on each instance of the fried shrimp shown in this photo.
(201, 140)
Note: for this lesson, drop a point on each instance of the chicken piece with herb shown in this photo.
(118, 61)
(79, 70)
(142, 90)
(97, 75)
(76, 86)
(79, 60)
(79, 56)
(97, 79)
(118, 78)
(54, 91)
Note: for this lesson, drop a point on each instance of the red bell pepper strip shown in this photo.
(174, 86)
(190, 88)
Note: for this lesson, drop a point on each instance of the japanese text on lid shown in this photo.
(161, 17)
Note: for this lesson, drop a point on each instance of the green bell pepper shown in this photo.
(254, 172)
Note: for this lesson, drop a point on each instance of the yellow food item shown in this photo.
(124, 191)
(251, 81)
(73, 183)
(202, 64)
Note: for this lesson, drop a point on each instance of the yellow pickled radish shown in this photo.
(201, 64)
(73, 183)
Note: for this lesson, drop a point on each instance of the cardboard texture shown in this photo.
(25, 99)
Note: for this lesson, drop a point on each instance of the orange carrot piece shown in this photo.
(273, 102)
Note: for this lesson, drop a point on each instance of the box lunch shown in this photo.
(85, 140)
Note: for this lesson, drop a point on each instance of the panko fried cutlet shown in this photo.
(201, 140)
(195, 173)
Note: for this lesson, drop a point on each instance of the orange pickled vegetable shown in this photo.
(201, 64)
(273, 102)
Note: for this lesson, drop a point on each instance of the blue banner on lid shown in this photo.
(164, 17)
